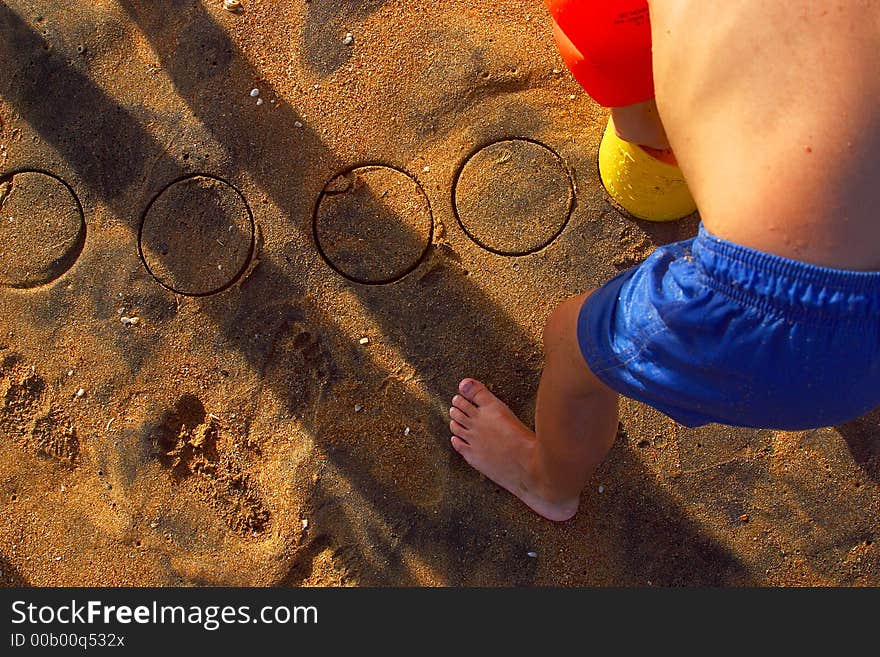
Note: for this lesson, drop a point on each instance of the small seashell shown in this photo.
(601, 488)
(364, 340)
(348, 40)
(134, 321)
(259, 101)
(80, 392)
(255, 93)
(305, 523)
(532, 555)
(231, 5)
(297, 124)
(406, 431)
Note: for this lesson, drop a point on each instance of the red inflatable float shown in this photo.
(607, 46)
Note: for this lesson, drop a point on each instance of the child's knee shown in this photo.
(562, 350)
(560, 329)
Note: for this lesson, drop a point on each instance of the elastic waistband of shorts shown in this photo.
(792, 289)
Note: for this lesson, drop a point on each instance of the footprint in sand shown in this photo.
(204, 454)
(28, 417)
(298, 368)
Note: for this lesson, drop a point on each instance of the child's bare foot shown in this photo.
(491, 439)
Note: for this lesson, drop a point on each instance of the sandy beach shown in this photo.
(245, 259)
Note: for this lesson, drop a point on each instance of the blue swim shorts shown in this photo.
(706, 330)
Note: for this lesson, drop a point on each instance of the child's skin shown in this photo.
(773, 112)
(640, 124)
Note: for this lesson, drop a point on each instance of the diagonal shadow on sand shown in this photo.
(10, 575)
(861, 438)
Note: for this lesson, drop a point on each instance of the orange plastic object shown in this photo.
(606, 45)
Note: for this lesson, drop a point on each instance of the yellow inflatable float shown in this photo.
(641, 183)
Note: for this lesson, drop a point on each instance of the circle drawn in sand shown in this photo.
(197, 235)
(42, 229)
(373, 224)
(513, 197)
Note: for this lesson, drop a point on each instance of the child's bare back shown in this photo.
(772, 111)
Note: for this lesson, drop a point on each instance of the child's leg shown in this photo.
(576, 422)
